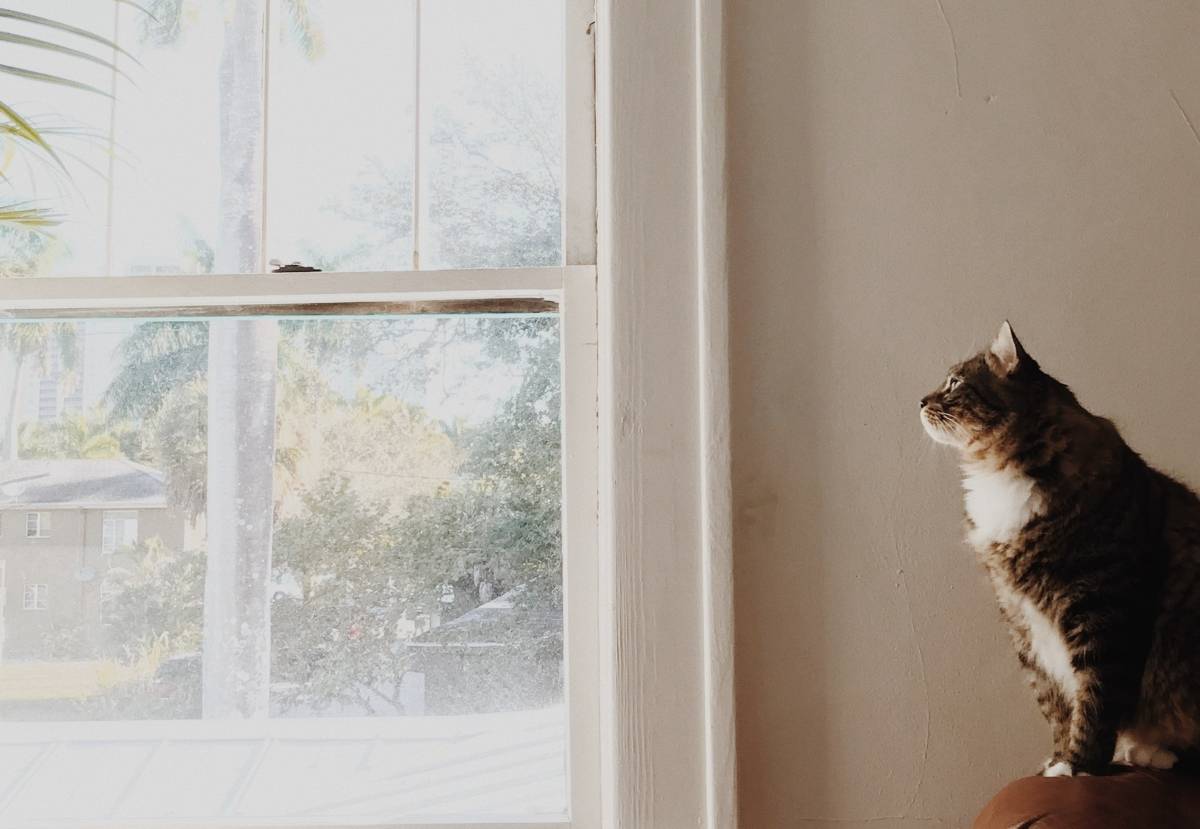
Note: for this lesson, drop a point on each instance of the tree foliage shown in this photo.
(401, 542)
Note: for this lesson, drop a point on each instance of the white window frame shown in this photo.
(41, 520)
(666, 529)
(114, 518)
(652, 629)
(38, 599)
(573, 286)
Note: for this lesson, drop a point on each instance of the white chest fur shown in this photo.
(999, 503)
(1047, 646)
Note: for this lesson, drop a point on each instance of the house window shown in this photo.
(35, 597)
(373, 484)
(119, 529)
(37, 525)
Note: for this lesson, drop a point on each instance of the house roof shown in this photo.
(504, 620)
(81, 483)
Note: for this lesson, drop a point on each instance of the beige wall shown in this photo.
(897, 190)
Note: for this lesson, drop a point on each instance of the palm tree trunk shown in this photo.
(241, 403)
(12, 432)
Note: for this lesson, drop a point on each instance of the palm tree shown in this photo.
(21, 132)
(81, 435)
(242, 353)
(242, 361)
(26, 341)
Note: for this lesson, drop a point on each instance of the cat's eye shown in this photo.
(952, 383)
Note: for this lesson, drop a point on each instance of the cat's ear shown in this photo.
(1006, 354)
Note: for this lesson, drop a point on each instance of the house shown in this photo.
(510, 647)
(60, 523)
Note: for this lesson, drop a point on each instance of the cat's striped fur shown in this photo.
(1093, 554)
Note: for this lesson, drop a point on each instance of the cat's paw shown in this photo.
(1130, 752)
(1055, 767)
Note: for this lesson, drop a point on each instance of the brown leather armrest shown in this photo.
(1123, 799)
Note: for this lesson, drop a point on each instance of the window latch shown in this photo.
(294, 267)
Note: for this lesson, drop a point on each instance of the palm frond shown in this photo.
(25, 17)
(163, 23)
(139, 7)
(18, 127)
(26, 217)
(305, 29)
(50, 46)
(57, 80)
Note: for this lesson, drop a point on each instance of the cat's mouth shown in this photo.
(942, 426)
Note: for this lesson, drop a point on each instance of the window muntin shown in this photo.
(35, 597)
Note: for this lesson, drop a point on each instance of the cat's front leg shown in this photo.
(1055, 707)
(1101, 696)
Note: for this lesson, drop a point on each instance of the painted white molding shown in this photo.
(668, 749)
(715, 380)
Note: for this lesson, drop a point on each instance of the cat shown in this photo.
(1093, 554)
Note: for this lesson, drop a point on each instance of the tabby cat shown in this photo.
(1093, 554)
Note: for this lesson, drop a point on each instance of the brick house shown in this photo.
(61, 521)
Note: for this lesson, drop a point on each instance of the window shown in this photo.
(35, 597)
(37, 525)
(118, 529)
(356, 508)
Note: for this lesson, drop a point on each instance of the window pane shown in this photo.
(381, 632)
(169, 177)
(187, 124)
(492, 95)
(72, 188)
(340, 193)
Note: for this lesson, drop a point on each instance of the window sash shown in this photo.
(579, 197)
(570, 289)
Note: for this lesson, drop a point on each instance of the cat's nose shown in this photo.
(924, 401)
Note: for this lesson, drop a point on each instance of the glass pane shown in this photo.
(69, 186)
(341, 134)
(187, 191)
(168, 175)
(334, 575)
(492, 113)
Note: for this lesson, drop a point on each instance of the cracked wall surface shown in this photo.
(903, 176)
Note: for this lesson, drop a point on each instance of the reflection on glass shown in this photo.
(341, 126)
(492, 96)
(412, 578)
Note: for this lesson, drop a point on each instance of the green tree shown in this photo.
(333, 635)
(151, 592)
(501, 527)
(491, 528)
(81, 435)
(29, 343)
